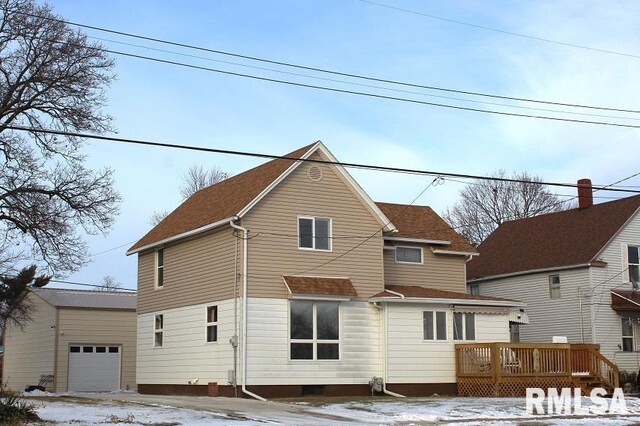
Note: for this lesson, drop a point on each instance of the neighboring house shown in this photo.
(575, 269)
(78, 340)
(340, 289)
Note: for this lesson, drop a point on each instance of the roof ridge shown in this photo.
(77, 290)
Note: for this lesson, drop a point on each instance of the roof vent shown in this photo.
(315, 173)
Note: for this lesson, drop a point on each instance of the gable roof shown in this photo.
(88, 299)
(421, 222)
(567, 238)
(234, 196)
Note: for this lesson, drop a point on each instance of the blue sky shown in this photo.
(164, 103)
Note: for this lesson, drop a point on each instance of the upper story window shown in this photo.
(314, 330)
(158, 330)
(408, 254)
(464, 326)
(434, 325)
(474, 289)
(634, 263)
(212, 323)
(554, 286)
(314, 233)
(159, 268)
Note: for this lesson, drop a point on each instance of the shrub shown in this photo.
(14, 409)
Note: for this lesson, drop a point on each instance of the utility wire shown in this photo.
(482, 27)
(87, 285)
(294, 159)
(112, 249)
(322, 70)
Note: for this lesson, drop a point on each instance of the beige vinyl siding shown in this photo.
(547, 317)
(607, 325)
(444, 272)
(185, 355)
(410, 359)
(29, 353)
(272, 256)
(195, 271)
(268, 347)
(97, 327)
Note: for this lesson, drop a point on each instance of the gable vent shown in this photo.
(315, 173)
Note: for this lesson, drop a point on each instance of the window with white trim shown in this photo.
(212, 323)
(633, 262)
(408, 254)
(314, 330)
(474, 289)
(434, 325)
(159, 268)
(464, 326)
(314, 233)
(158, 330)
(554, 286)
(628, 339)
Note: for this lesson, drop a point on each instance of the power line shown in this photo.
(482, 27)
(86, 285)
(112, 249)
(323, 70)
(295, 159)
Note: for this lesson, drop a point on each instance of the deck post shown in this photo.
(495, 368)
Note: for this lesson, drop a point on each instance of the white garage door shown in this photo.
(94, 368)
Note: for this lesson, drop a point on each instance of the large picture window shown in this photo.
(314, 330)
(464, 326)
(314, 233)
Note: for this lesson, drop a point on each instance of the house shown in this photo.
(288, 280)
(577, 270)
(78, 340)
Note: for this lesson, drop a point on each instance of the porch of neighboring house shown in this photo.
(508, 369)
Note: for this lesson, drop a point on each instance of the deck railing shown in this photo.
(524, 364)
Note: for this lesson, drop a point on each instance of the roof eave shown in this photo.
(450, 301)
(530, 271)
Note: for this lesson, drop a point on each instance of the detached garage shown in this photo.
(83, 341)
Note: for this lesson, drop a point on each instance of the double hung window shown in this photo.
(434, 325)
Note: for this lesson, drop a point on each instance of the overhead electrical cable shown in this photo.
(327, 71)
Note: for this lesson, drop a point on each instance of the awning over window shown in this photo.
(320, 286)
(626, 303)
(480, 310)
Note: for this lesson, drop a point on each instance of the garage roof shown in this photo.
(65, 298)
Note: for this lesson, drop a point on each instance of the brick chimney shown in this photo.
(585, 195)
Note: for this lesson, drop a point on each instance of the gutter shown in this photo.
(530, 271)
(245, 285)
(461, 302)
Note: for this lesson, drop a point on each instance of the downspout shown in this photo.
(395, 293)
(245, 285)
(383, 311)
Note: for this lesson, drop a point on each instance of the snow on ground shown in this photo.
(136, 409)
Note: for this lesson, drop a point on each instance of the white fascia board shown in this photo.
(325, 297)
(382, 218)
(183, 235)
(616, 234)
(434, 301)
(294, 165)
(417, 240)
(532, 271)
(457, 253)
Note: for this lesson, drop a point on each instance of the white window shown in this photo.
(408, 254)
(212, 323)
(314, 330)
(159, 268)
(158, 331)
(474, 289)
(634, 263)
(554, 286)
(628, 340)
(464, 326)
(434, 325)
(314, 233)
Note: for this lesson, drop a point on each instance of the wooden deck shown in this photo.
(508, 369)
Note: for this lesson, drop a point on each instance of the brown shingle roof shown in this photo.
(219, 201)
(423, 223)
(432, 293)
(623, 305)
(318, 285)
(567, 238)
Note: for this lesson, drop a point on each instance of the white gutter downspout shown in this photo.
(385, 345)
(245, 285)
(395, 293)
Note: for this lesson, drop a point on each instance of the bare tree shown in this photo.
(485, 204)
(50, 77)
(196, 178)
(15, 309)
(109, 283)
